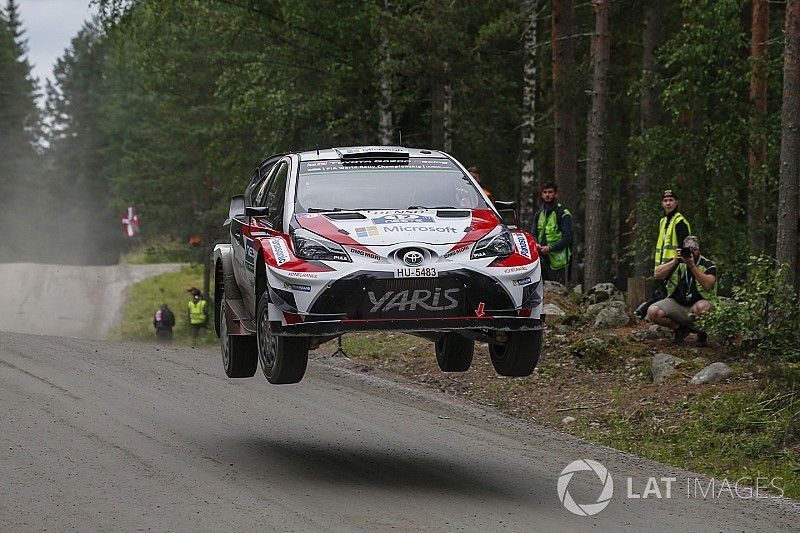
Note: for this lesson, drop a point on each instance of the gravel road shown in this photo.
(72, 301)
(98, 435)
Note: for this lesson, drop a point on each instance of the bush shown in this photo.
(762, 316)
(160, 250)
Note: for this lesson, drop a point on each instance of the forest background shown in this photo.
(168, 105)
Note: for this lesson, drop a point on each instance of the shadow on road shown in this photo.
(361, 466)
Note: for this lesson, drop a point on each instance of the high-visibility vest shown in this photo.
(681, 272)
(668, 239)
(548, 225)
(197, 312)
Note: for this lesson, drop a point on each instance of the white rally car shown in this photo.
(368, 239)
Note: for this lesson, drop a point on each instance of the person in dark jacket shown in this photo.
(164, 321)
(552, 228)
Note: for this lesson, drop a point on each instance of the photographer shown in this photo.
(691, 289)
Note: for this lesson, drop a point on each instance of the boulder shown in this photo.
(554, 287)
(552, 310)
(593, 310)
(611, 317)
(645, 334)
(602, 292)
(712, 374)
(568, 420)
(663, 365)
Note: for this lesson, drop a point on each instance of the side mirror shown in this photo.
(256, 211)
(508, 212)
(236, 209)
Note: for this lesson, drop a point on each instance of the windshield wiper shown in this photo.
(325, 210)
(425, 207)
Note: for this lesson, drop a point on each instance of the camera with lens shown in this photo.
(686, 252)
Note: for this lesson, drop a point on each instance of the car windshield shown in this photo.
(422, 183)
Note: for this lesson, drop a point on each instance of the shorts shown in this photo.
(677, 312)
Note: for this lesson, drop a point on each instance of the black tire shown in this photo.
(283, 359)
(454, 352)
(519, 356)
(239, 352)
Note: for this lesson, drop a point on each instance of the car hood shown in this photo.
(391, 227)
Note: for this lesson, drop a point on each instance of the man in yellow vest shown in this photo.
(552, 228)
(197, 313)
(691, 289)
(672, 230)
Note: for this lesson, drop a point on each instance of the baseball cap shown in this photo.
(668, 193)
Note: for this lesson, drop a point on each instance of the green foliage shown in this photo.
(762, 315)
(718, 433)
(145, 297)
(159, 250)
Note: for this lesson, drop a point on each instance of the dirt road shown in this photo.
(98, 435)
(72, 301)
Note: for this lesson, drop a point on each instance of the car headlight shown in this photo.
(308, 245)
(499, 245)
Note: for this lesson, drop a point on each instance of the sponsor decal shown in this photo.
(522, 281)
(279, 250)
(439, 229)
(249, 254)
(456, 251)
(400, 218)
(367, 231)
(516, 269)
(294, 287)
(408, 300)
(365, 253)
(522, 245)
(307, 275)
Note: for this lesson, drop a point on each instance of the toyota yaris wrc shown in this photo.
(373, 239)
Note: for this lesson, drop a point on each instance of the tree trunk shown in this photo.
(447, 110)
(385, 123)
(757, 153)
(527, 186)
(650, 113)
(565, 153)
(790, 144)
(597, 227)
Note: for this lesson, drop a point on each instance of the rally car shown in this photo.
(331, 241)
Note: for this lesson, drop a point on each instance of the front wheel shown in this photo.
(283, 359)
(519, 355)
(454, 352)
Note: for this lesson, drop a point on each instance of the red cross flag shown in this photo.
(130, 222)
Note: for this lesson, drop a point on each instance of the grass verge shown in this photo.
(144, 298)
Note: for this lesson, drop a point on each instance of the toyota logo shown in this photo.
(412, 258)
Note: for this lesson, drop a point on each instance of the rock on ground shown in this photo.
(663, 365)
(712, 374)
(602, 292)
(611, 317)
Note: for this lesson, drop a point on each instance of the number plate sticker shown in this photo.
(415, 272)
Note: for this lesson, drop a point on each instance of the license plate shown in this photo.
(416, 272)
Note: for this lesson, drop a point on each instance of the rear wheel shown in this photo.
(519, 355)
(454, 352)
(283, 359)
(239, 352)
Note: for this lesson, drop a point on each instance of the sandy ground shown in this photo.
(71, 301)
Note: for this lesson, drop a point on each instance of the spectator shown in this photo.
(552, 228)
(691, 291)
(164, 321)
(197, 314)
(672, 230)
